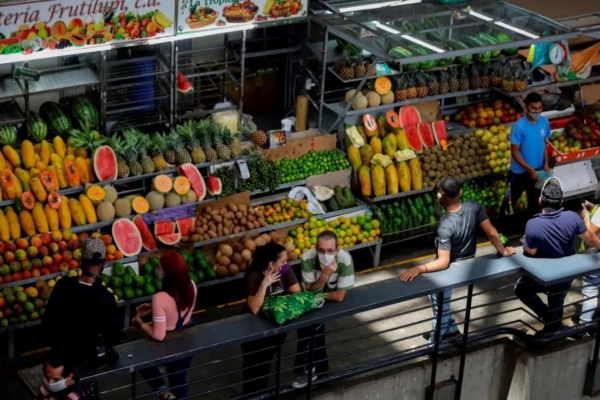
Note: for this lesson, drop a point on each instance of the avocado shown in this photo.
(148, 279)
(118, 293)
(116, 281)
(127, 280)
(157, 285)
(139, 281)
(138, 292)
(428, 199)
(148, 269)
(130, 271)
(154, 261)
(323, 206)
(106, 279)
(194, 277)
(118, 269)
(149, 290)
(210, 273)
(128, 293)
(201, 275)
(339, 197)
(332, 204)
(350, 200)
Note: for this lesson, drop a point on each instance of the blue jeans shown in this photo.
(590, 295)
(177, 371)
(448, 323)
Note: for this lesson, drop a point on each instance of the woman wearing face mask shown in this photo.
(171, 310)
(269, 275)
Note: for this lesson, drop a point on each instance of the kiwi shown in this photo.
(427, 159)
(451, 172)
(448, 165)
(464, 147)
(426, 152)
(475, 160)
(444, 174)
(458, 142)
(452, 150)
(438, 175)
(479, 166)
(442, 159)
(462, 162)
(431, 173)
(464, 154)
(480, 152)
(471, 152)
(440, 167)
(436, 182)
(433, 165)
(454, 163)
(433, 158)
(449, 158)
(425, 167)
(462, 176)
(469, 160)
(465, 169)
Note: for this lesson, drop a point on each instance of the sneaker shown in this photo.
(452, 336)
(302, 380)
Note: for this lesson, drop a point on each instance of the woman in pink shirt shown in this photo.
(171, 310)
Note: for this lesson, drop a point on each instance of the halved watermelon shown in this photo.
(164, 228)
(214, 186)
(414, 140)
(183, 84)
(170, 240)
(196, 181)
(185, 225)
(425, 134)
(439, 131)
(127, 237)
(148, 241)
(105, 164)
(409, 115)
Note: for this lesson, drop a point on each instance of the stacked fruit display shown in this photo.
(19, 305)
(484, 115)
(409, 217)
(334, 199)
(126, 284)
(380, 93)
(490, 194)
(284, 210)
(497, 140)
(311, 164)
(574, 137)
(353, 67)
(265, 175)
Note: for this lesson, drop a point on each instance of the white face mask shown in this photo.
(158, 275)
(56, 386)
(326, 259)
(535, 115)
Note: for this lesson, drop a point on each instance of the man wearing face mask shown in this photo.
(83, 302)
(59, 383)
(528, 153)
(331, 269)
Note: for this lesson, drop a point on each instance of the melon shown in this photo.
(439, 131)
(414, 140)
(162, 228)
(425, 134)
(196, 180)
(105, 164)
(105, 211)
(148, 241)
(127, 237)
(214, 186)
(170, 240)
(409, 115)
(185, 225)
(162, 184)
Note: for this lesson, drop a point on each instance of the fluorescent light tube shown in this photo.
(422, 43)
(385, 28)
(378, 5)
(517, 30)
(480, 16)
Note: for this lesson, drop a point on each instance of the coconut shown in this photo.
(224, 261)
(259, 241)
(274, 236)
(289, 247)
(236, 258)
(293, 256)
(266, 238)
(247, 254)
(226, 250)
(234, 269)
(250, 245)
(237, 247)
(243, 266)
(221, 271)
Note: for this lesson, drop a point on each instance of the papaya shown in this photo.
(376, 145)
(39, 218)
(23, 177)
(416, 174)
(55, 160)
(45, 152)
(391, 178)
(13, 223)
(12, 156)
(52, 218)
(364, 176)
(77, 214)
(27, 154)
(37, 158)
(40, 165)
(82, 167)
(91, 172)
(361, 131)
(49, 178)
(381, 126)
(366, 153)
(33, 172)
(2, 162)
(354, 156)
(61, 177)
(11, 187)
(378, 179)
(88, 209)
(404, 176)
(60, 148)
(64, 213)
(72, 173)
(389, 145)
(402, 140)
(4, 229)
(38, 190)
(27, 201)
(27, 223)
(370, 126)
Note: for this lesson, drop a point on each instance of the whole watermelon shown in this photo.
(37, 127)
(8, 135)
(56, 118)
(86, 113)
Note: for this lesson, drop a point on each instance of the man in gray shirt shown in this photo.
(456, 241)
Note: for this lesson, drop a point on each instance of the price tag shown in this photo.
(277, 138)
(28, 74)
(243, 167)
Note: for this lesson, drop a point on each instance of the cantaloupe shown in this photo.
(373, 99)
(181, 185)
(96, 194)
(122, 208)
(383, 85)
(162, 184)
(172, 200)
(105, 211)
(140, 205)
(156, 200)
(110, 194)
(360, 103)
(387, 98)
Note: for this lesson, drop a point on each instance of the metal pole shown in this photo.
(323, 73)
(436, 345)
(243, 66)
(463, 346)
(133, 391)
(310, 363)
(278, 372)
(596, 349)
(103, 91)
(173, 83)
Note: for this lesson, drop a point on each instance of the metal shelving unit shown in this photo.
(10, 88)
(10, 114)
(64, 78)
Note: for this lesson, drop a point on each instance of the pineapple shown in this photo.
(485, 76)
(463, 81)
(359, 68)
(249, 129)
(118, 146)
(347, 70)
(340, 62)
(206, 135)
(232, 142)
(520, 81)
(85, 140)
(145, 145)
(496, 79)
(475, 79)
(182, 156)
(368, 64)
(411, 91)
(221, 138)
(444, 86)
(169, 152)
(158, 145)
(453, 83)
(433, 86)
(422, 90)
(131, 151)
(192, 141)
(508, 83)
(400, 93)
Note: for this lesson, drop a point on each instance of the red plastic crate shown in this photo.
(561, 158)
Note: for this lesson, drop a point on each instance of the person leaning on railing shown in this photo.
(591, 282)
(456, 240)
(171, 310)
(269, 275)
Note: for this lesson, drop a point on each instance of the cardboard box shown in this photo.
(331, 179)
(561, 158)
(297, 148)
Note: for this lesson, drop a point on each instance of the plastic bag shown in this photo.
(298, 193)
(282, 309)
(226, 118)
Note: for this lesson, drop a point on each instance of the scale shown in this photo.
(558, 54)
(576, 179)
(243, 168)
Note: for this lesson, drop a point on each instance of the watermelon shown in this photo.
(164, 228)
(414, 140)
(105, 164)
(185, 226)
(148, 241)
(439, 131)
(183, 85)
(409, 115)
(37, 127)
(425, 134)
(56, 118)
(127, 237)
(214, 186)
(170, 240)
(86, 113)
(8, 135)
(196, 181)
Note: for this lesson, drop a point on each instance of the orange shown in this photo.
(111, 248)
(118, 255)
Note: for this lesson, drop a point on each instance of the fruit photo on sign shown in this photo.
(201, 16)
(282, 8)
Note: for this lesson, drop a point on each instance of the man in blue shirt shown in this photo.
(528, 153)
(551, 235)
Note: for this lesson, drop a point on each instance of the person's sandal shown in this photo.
(168, 396)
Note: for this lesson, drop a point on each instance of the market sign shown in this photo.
(28, 74)
(197, 15)
(56, 25)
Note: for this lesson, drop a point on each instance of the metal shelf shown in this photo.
(9, 88)
(64, 78)
(128, 69)
(133, 93)
(64, 192)
(10, 114)
(280, 187)
(137, 116)
(550, 86)
(265, 46)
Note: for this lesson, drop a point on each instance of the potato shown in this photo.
(222, 211)
(243, 221)
(259, 214)
(251, 218)
(262, 222)
(185, 239)
(214, 212)
(234, 269)
(229, 215)
(239, 215)
(236, 258)
(212, 234)
(256, 225)
(218, 218)
(249, 225)
(208, 209)
(243, 208)
(233, 207)
(237, 229)
(196, 238)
